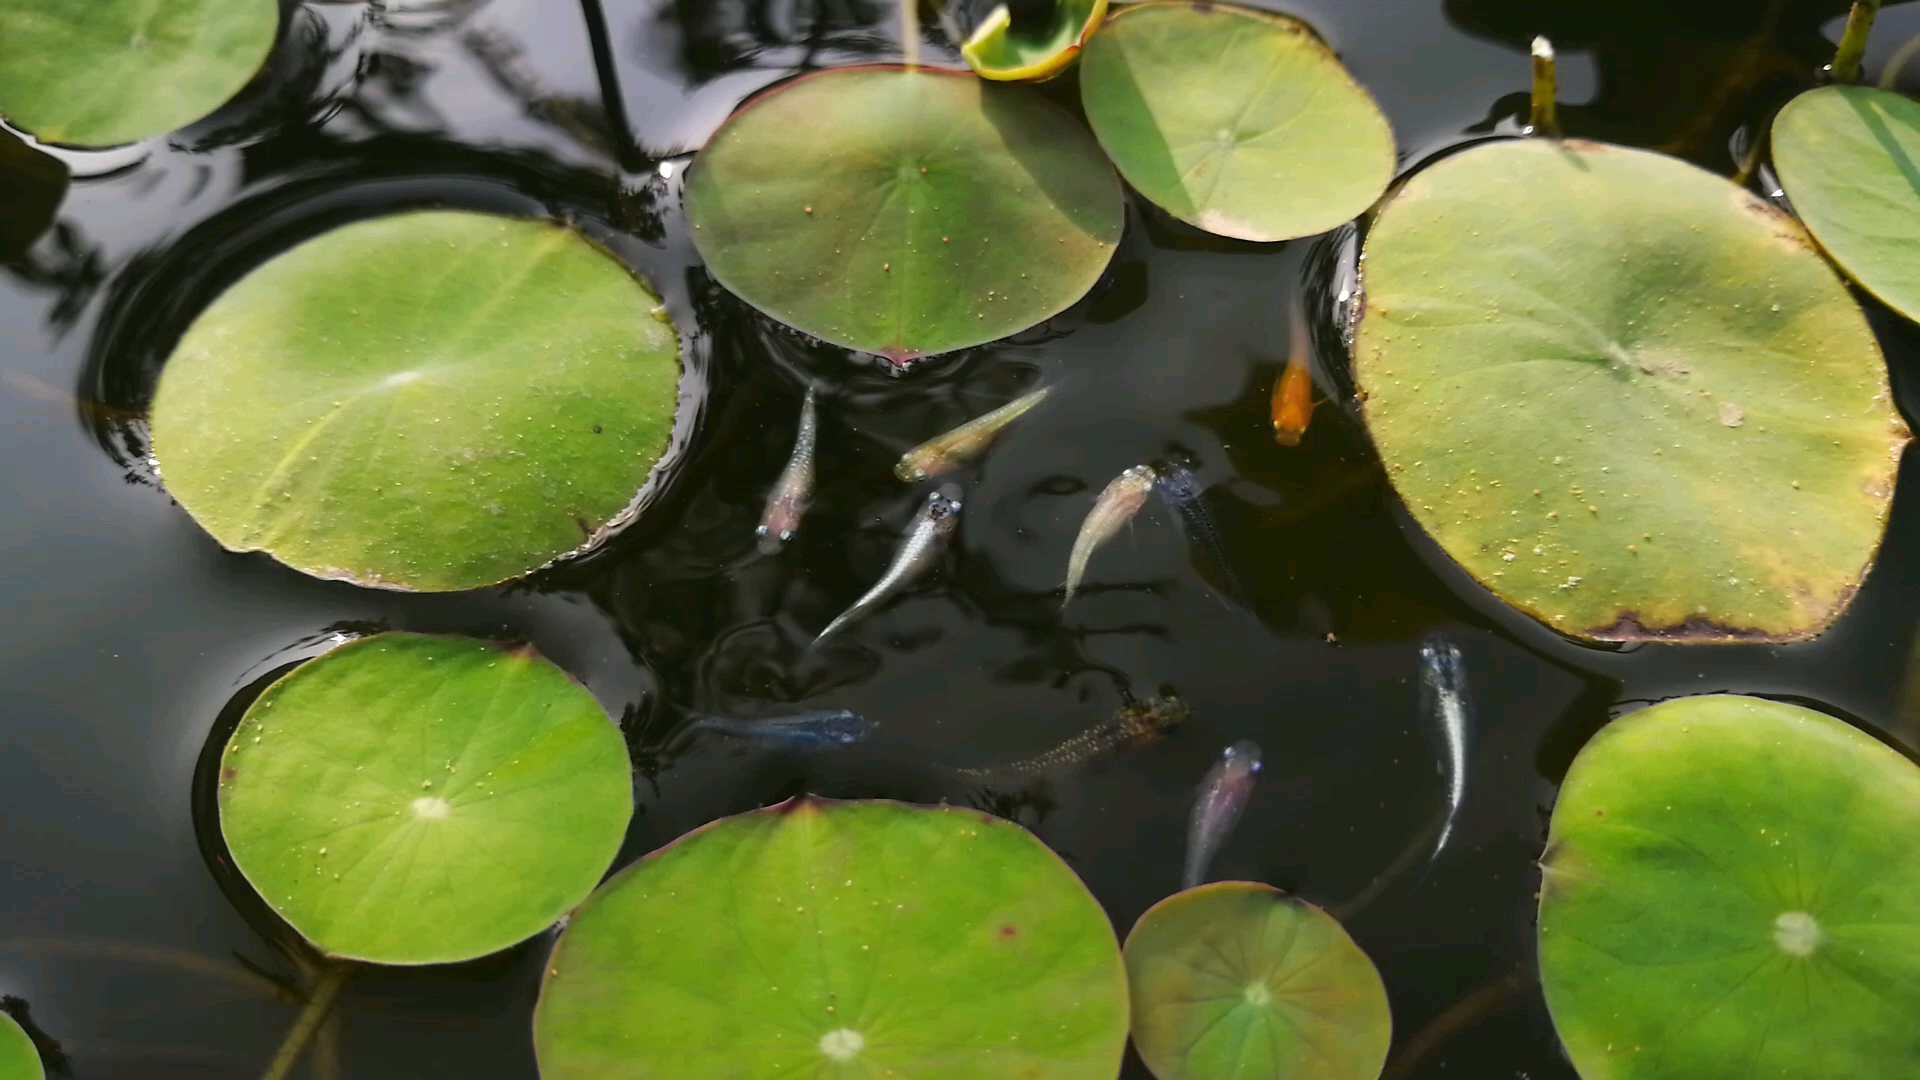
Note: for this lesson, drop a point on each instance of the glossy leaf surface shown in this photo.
(1238, 981)
(1732, 890)
(1627, 396)
(838, 939)
(430, 401)
(1239, 121)
(104, 72)
(904, 213)
(420, 800)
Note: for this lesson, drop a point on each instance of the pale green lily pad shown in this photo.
(431, 401)
(998, 51)
(1732, 891)
(1626, 395)
(1238, 981)
(904, 213)
(419, 800)
(1241, 122)
(104, 72)
(838, 939)
(1849, 158)
(18, 1058)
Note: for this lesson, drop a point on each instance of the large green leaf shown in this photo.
(431, 401)
(1849, 158)
(904, 213)
(997, 50)
(838, 939)
(102, 72)
(18, 1059)
(418, 800)
(1238, 981)
(1626, 395)
(1238, 121)
(1733, 892)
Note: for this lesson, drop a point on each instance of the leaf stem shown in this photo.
(1756, 152)
(910, 33)
(1853, 41)
(1543, 120)
(332, 978)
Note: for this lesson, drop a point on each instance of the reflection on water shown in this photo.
(129, 640)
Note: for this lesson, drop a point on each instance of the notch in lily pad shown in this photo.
(826, 938)
(1238, 121)
(904, 212)
(1732, 890)
(1627, 396)
(998, 50)
(107, 72)
(1239, 981)
(429, 401)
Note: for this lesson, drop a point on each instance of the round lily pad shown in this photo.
(1241, 122)
(105, 72)
(1626, 395)
(838, 939)
(1732, 890)
(18, 1058)
(1846, 157)
(407, 799)
(1238, 981)
(904, 212)
(431, 401)
(997, 50)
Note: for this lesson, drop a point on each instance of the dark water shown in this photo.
(125, 633)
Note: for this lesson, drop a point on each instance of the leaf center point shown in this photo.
(1257, 994)
(431, 807)
(842, 1044)
(1796, 933)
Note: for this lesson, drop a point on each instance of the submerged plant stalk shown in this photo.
(910, 33)
(319, 1003)
(1542, 120)
(1853, 41)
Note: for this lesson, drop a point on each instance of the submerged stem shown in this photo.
(319, 1002)
(1756, 152)
(910, 32)
(1853, 41)
(1543, 120)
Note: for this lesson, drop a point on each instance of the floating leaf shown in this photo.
(1238, 121)
(1626, 395)
(904, 213)
(18, 1059)
(418, 800)
(105, 72)
(998, 51)
(1732, 890)
(838, 939)
(1847, 158)
(1238, 981)
(430, 401)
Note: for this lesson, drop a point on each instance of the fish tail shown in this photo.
(1195, 870)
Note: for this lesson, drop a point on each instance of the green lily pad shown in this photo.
(419, 800)
(1849, 158)
(1732, 890)
(1238, 981)
(1241, 122)
(105, 72)
(838, 939)
(904, 213)
(18, 1058)
(1626, 395)
(430, 401)
(998, 51)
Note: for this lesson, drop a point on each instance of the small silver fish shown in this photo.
(1118, 502)
(1447, 708)
(788, 499)
(925, 542)
(819, 729)
(944, 453)
(1217, 807)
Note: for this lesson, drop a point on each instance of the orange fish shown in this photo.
(1293, 393)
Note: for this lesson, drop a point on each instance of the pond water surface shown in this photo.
(126, 633)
